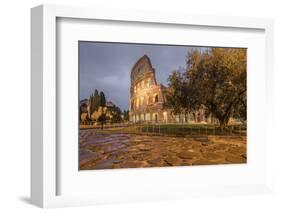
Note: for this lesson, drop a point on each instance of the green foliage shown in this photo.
(96, 101)
(102, 99)
(91, 110)
(80, 112)
(102, 103)
(102, 118)
(214, 80)
(193, 129)
(115, 113)
(241, 111)
(178, 93)
(126, 115)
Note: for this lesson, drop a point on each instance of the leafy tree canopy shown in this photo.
(102, 99)
(215, 80)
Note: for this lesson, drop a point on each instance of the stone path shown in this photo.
(106, 151)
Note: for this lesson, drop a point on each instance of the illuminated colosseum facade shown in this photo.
(147, 98)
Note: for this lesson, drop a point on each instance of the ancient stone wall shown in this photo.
(147, 98)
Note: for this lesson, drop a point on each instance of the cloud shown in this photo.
(107, 66)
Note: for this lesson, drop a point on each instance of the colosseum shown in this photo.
(147, 98)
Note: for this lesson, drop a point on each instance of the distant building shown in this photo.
(147, 98)
(84, 105)
(109, 104)
(86, 114)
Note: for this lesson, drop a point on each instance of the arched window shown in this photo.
(138, 103)
(155, 117)
(132, 105)
(156, 98)
(194, 116)
(148, 83)
(141, 101)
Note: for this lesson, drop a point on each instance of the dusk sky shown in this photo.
(107, 66)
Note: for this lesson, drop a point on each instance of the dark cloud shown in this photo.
(107, 66)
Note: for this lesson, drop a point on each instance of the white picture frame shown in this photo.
(44, 154)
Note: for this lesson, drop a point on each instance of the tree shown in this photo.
(241, 111)
(80, 113)
(215, 80)
(90, 106)
(126, 115)
(102, 104)
(116, 114)
(178, 93)
(102, 119)
(94, 103)
(102, 99)
(96, 100)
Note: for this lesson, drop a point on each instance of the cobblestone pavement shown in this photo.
(106, 151)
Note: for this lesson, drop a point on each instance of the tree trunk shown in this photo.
(223, 122)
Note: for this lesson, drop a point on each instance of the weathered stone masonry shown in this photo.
(147, 97)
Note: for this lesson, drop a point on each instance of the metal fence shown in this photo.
(193, 129)
(95, 125)
(173, 129)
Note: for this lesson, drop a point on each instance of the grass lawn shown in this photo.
(190, 129)
(177, 129)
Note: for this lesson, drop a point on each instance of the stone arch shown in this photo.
(156, 98)
(142, 67)
(141, 101)
(132, 105)
(156, 117)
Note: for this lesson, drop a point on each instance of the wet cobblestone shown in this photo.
(107, 151)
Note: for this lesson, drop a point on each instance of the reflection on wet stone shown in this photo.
(100, 150)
